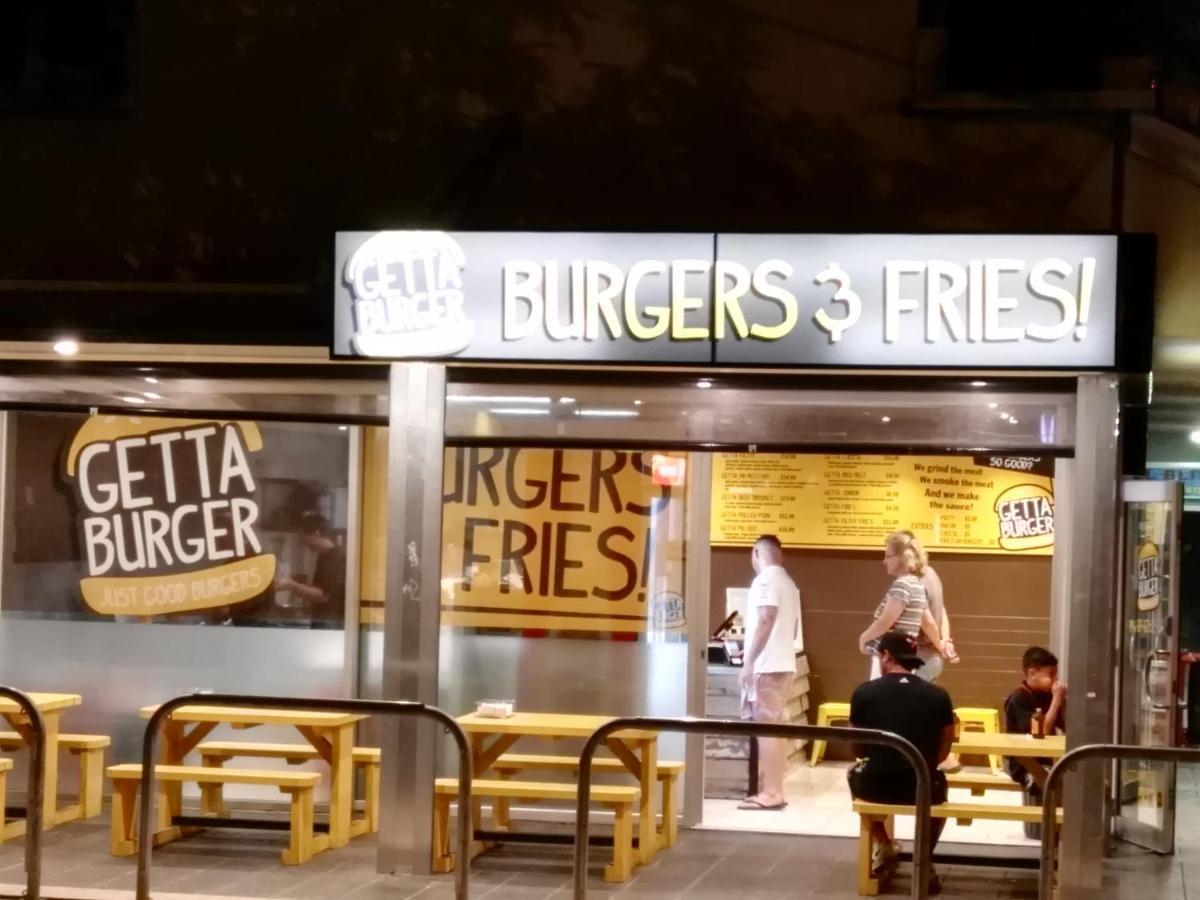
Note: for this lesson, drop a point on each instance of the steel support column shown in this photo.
(411, 615)
(1095, 521)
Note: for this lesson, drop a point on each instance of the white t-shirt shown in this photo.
(773, 586)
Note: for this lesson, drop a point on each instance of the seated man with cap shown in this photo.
(915, 709)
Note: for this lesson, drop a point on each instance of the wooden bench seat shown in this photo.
(668, 777)
(964, 813)
(620, 798)
(366, 760)
(979, 782)
(303, 842)
(90, 750)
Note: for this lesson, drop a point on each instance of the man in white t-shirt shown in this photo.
(769, 661)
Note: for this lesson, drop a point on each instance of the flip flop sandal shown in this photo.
(755, 804)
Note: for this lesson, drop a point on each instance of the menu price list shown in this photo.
(856, 500)
(856, 497)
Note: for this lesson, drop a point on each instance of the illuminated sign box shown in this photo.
(783, 300)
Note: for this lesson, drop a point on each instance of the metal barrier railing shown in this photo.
(385, 707)
(691, 725)
(1051, 792)
(35, 810)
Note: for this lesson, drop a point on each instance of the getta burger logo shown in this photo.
(1025, 514)
(167, 514)
(407, 292)
(1149, 574)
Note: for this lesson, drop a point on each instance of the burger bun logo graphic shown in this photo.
(407, 295)
(1149, 571)
(168, 514)
(1025, 514)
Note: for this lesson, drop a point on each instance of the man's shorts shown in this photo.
(771, 691)
(899, 789)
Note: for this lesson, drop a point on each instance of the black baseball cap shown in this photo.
(902, 648)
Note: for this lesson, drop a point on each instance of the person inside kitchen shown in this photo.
(324, 594)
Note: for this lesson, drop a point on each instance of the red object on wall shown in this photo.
(668, 471)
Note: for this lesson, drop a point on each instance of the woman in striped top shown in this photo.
(904, 607)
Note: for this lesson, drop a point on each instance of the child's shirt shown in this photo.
(1018, 716)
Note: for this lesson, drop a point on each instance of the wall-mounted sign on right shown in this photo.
(957, 504)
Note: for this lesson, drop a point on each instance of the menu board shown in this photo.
(953, 503)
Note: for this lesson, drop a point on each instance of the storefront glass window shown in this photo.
(563, 579)
(164, 520)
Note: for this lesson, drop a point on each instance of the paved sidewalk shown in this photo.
(704, 865)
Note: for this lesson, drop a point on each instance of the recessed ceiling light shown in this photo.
(704, 384)
(637, 402)
(608, 413)
(498, 398)
(150, 395)
(135, 400)
(342, 427)
(993, 405)
(150, 379)
(1004, 415)
(886, 419)
(1012, 420)
(66, 347)
(978, 384)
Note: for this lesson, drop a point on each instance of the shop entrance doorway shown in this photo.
(538, 479)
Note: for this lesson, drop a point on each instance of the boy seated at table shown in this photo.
(1040, 692)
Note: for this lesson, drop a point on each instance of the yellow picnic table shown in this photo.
(51, 707)
(330, 733)
(637, 750)
(1022, 747)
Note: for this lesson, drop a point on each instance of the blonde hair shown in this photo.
(905, 545)
(916, 544)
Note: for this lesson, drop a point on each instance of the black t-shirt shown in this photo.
(329, 574)
(1022, 704)
(905, 705)
(1018, 716)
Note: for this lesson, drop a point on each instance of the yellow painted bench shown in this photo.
(620, 798)
(668, 776)
(963, 813)
(979, 782)
(90, 750)
(303, 842)
(366, 759)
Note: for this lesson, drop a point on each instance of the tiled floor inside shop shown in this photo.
(819, 804)
(704, 864)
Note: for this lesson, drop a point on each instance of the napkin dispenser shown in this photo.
(495, 709)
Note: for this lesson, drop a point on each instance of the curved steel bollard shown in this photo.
(691, 725)
(35, 811)
(1051, 790)
(384, 707)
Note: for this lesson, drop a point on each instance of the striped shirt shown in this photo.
(910, 590)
